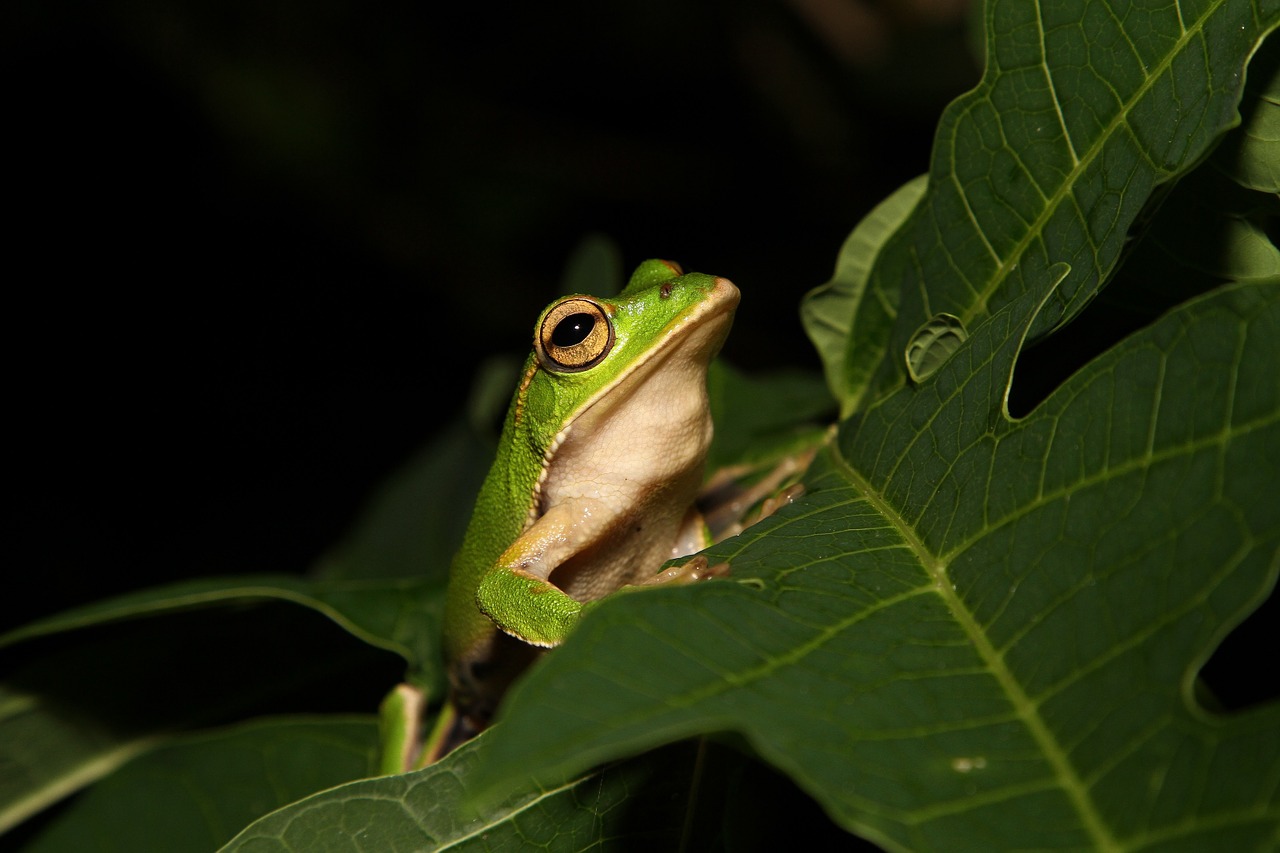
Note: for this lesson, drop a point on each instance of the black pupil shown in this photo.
(573, 330)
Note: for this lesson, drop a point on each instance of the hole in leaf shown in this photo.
(1241, 673)
(1049, 362)
(1156, 277)
(1214, 225)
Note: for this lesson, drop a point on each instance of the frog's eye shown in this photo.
(575, 335)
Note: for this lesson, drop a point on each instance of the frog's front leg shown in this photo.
(527, 607)
(517, 593)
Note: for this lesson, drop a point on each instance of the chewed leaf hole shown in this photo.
(932, 344)
(1241, 673)
(1049, 362)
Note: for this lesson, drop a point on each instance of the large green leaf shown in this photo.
(977, 632)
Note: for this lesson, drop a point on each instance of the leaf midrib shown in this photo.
(1063, 191)
(93, 767)
(1024, 708)
(511, 815)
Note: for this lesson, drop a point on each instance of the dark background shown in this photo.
(259, 249)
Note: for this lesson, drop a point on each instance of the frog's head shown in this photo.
(589, 349)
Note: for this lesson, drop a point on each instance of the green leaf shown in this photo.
(1254, 160)
(71, 713)
(198, 791)
(401, 616)
(760, 419)
(44, 756)
(828, 310)
(1082, 112)
(1210, 230)
(595, 267)
(932, 344)
(645, 801)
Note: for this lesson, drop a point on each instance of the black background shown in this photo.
(258, 249)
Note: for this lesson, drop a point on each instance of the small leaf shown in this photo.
(828, 311)
(1254, 161)
(594, 267)
(932, 344)
(760, 419)
(44, 756)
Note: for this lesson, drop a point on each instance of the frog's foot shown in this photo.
(399, 724)
(773, 503)
(767, 507)
(726, 504)
(450, 731)
(697, 569)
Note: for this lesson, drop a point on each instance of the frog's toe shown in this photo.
(697, 569)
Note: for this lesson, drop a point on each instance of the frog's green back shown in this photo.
(501, 513)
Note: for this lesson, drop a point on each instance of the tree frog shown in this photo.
(593, 487)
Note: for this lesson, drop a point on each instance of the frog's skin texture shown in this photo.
(600, 460)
